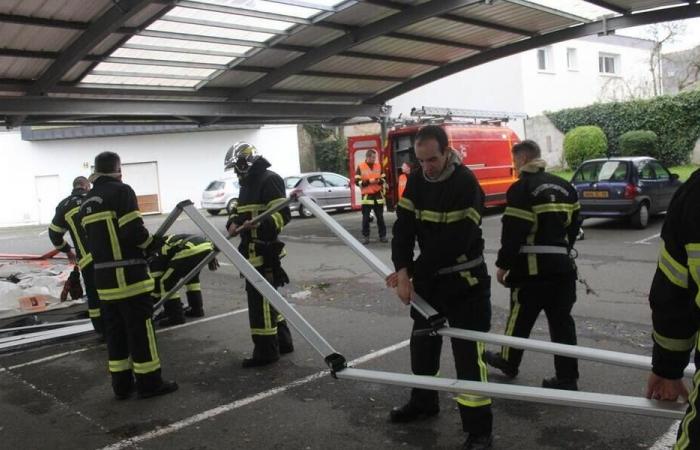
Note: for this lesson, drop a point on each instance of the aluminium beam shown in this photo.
(36, 338)
(574, 351)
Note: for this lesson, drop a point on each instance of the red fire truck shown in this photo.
(484, 142)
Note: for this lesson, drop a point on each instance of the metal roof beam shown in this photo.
(577, 31)
(610, 6)
(228, 26)
(42, 22)
(61, 107)
(345, 42)
(549, 10)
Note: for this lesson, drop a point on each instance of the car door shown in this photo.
(317, 189)
(338, 190)
(650, 185)
(667, 184)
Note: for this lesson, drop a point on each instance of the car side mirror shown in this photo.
(674, 176)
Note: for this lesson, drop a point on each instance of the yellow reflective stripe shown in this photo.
(472, 401)
(130, 290)
(693, 252)
(256, 261)
(531, 257)
(147, 367)
(279, 221)
(76, 236)
(675, 344)
(195, 250)
(146, 243)
(267, 318)
(56, 228)
(467, 275)
(519, 213)
(61, 245)
(512, 318)
(275, 202)
(157, 274)
(114, 240)
(194, 287)
(121, 277)
(448, 216)
(483, 371)
(576, 206)
(128, 217)
(280, 318)
(84, 261)
(120, 365)
(676, 272)
(96, 217)
(94, 313)
(684, 439)
(252, 208)
(553, 207)
(263, 331)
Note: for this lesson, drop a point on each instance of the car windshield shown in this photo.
(291, 182)
(215, 186)
(601, 171)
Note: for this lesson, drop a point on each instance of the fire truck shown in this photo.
(480, 136)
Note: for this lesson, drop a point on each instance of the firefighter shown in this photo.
(441, 209)
(118, 242)
(675, 301)
(540, 225)
(371, 179)
(403, 178)
(66, 219)
(261, 189)
(176, 258)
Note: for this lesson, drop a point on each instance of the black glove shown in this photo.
(364, 183)
(213, 264)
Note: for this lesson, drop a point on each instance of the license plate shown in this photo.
(596, 194)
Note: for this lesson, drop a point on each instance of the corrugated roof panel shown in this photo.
(202, 30)
(265, 6)
(313, 36)
(310, 83)
(271, 58)
(361, 14)
(171, 56)
(225, 18)
(74, 10)
(77, 71)
(154, 69)
(181, 44)
(517, 16)
(138, 81)
(22, 68)
(29, 37)
(409, 49)
(458, 32)
(346, 64)
(145, 15)
(234, 79)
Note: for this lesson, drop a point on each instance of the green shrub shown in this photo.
(582, 143)
(638, 143)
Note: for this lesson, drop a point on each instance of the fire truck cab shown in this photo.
(485, 145)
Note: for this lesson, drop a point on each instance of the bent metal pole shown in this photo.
(573, 351)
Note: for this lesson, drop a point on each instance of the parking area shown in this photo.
(61, 392)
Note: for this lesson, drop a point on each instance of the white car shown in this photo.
(220, 194)
(328, 190)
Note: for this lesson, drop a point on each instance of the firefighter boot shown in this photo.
(172, 312)
(195, 304)
(496, 360)
(568, 384)
(478, 442)
(123, 384)
(423, 404)
(165, 387)
(284, 337)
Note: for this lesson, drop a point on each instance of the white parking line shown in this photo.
(668, 439)
(645, 241)
(205, 415)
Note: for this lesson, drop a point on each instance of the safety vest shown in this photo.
(403, 179)
(370, 174)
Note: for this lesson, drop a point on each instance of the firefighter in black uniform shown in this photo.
(178, 255)
(66, 219)
(675, 306)
(118, 240)
(540, 225)
(441, 208)
(261, 189)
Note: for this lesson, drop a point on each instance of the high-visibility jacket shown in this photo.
(403, 179)
(445, 218)
(674, 296)
(117, 239)
(541, 218)
(67, 219)
(371, 181)
(176, 247)
(261, 189)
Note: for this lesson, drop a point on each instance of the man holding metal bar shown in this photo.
(675, 301)
(441, 209)
(179, 254)
(261, 189)
(540, 225)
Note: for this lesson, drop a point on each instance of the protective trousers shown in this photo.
(268, 328)
(93, 299)
(689, 429)
(556, 298)
(131, 344)
(177, 269)
(378, 213)
(464, 307)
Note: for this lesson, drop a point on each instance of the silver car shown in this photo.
(220, 194)
(328, 190)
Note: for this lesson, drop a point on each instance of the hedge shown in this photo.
(638, 143)
(674, 119)
(584, 143)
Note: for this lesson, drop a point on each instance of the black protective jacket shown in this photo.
(67, 219)
(177, 247)
(445, 218)
(117, 238)
(674, 297)
(541, 210)
(261, 189)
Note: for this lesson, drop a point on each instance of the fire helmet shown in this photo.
(240, 157)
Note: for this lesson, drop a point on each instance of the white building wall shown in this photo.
(187, 162)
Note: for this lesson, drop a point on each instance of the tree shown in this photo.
(660, 34)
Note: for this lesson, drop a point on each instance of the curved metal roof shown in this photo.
(259, 61)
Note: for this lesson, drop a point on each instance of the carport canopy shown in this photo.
(227, 62)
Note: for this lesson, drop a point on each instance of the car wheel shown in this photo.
(640, 219)
(213, 212)
(305, 213)
(231, 204)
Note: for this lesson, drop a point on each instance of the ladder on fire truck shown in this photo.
(432, 114)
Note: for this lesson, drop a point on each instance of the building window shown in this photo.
(544, 59)
(571, 59)
(608, 63)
